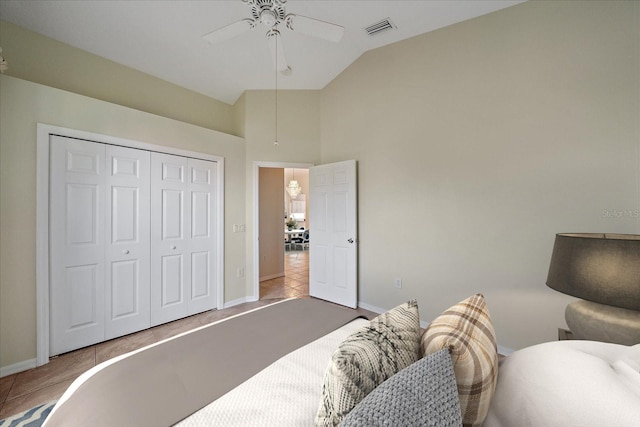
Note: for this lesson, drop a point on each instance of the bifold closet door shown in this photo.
(202, 239)
(183, 240)
(99, 242)
(132, 240)
(170, 217)
(128, 257)
(77, 243)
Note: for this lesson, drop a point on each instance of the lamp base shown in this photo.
(564, 334)
(599, 322)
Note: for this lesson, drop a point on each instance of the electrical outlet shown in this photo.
(235, 228)
(241, 228)
(240, 272)
(398, 282)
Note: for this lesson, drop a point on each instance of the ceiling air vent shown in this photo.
(379, 27)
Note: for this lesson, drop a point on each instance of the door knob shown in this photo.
(350, 240)
(174, 247)
(126, 251)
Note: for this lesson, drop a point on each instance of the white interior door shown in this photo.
(333, 268)
(170, 220)
(76, 243)
(202, 247)
(128, 241)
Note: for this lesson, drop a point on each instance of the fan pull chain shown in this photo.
(276, 73)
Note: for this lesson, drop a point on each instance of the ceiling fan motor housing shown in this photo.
(271, 13)
(268, 12)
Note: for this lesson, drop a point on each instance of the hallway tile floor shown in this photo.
(295, 282)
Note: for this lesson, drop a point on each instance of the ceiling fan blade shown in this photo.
(314, 27)
(277, 51)
(230, 31)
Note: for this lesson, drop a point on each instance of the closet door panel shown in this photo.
(77, 243)
(128, 249)
(80, 293)
(170, 218)
(200, 275)
(171, 281)
(202, 187)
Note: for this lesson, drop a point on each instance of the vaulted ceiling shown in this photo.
(164, 38)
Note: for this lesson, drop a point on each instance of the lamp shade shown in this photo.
(603, 268)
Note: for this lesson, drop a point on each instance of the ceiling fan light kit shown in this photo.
(272, 13)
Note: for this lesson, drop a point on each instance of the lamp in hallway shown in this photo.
(603, 270)
(293, 188)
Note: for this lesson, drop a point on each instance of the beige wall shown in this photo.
(271, 223)
(238, 116)
(478, 142)
(41, 59)
(475, 145)
(24, 104)
(299, 142)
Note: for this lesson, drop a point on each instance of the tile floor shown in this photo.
(22, 391)
(295, 282)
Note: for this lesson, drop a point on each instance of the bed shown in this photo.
(305, 362)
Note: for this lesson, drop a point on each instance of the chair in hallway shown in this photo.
(302, 243)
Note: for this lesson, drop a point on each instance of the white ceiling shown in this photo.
(164, 38)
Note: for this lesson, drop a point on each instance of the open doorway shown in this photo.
(282, 255)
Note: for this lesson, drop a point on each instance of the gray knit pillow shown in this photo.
(424, 394)
(366, 359)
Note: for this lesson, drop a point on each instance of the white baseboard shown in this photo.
(371, 307)
(379, 310)
(239, 301)
(17, 367)
(271, 276)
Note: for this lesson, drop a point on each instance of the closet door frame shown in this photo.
(44, 132)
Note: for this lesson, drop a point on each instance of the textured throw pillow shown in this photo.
(424, 394)
(366, 359)
(467, 331)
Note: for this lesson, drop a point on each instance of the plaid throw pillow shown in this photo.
(467, 331)
(366, 359)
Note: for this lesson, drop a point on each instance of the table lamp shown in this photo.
(603, 270)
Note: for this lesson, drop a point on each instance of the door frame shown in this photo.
(256, 215)
(42, 217)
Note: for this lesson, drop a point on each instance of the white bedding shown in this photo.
(287, 393)
(568, 383)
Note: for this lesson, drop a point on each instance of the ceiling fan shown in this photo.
(271, 13)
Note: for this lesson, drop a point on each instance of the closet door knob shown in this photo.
(126, 251)
(174, 247)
